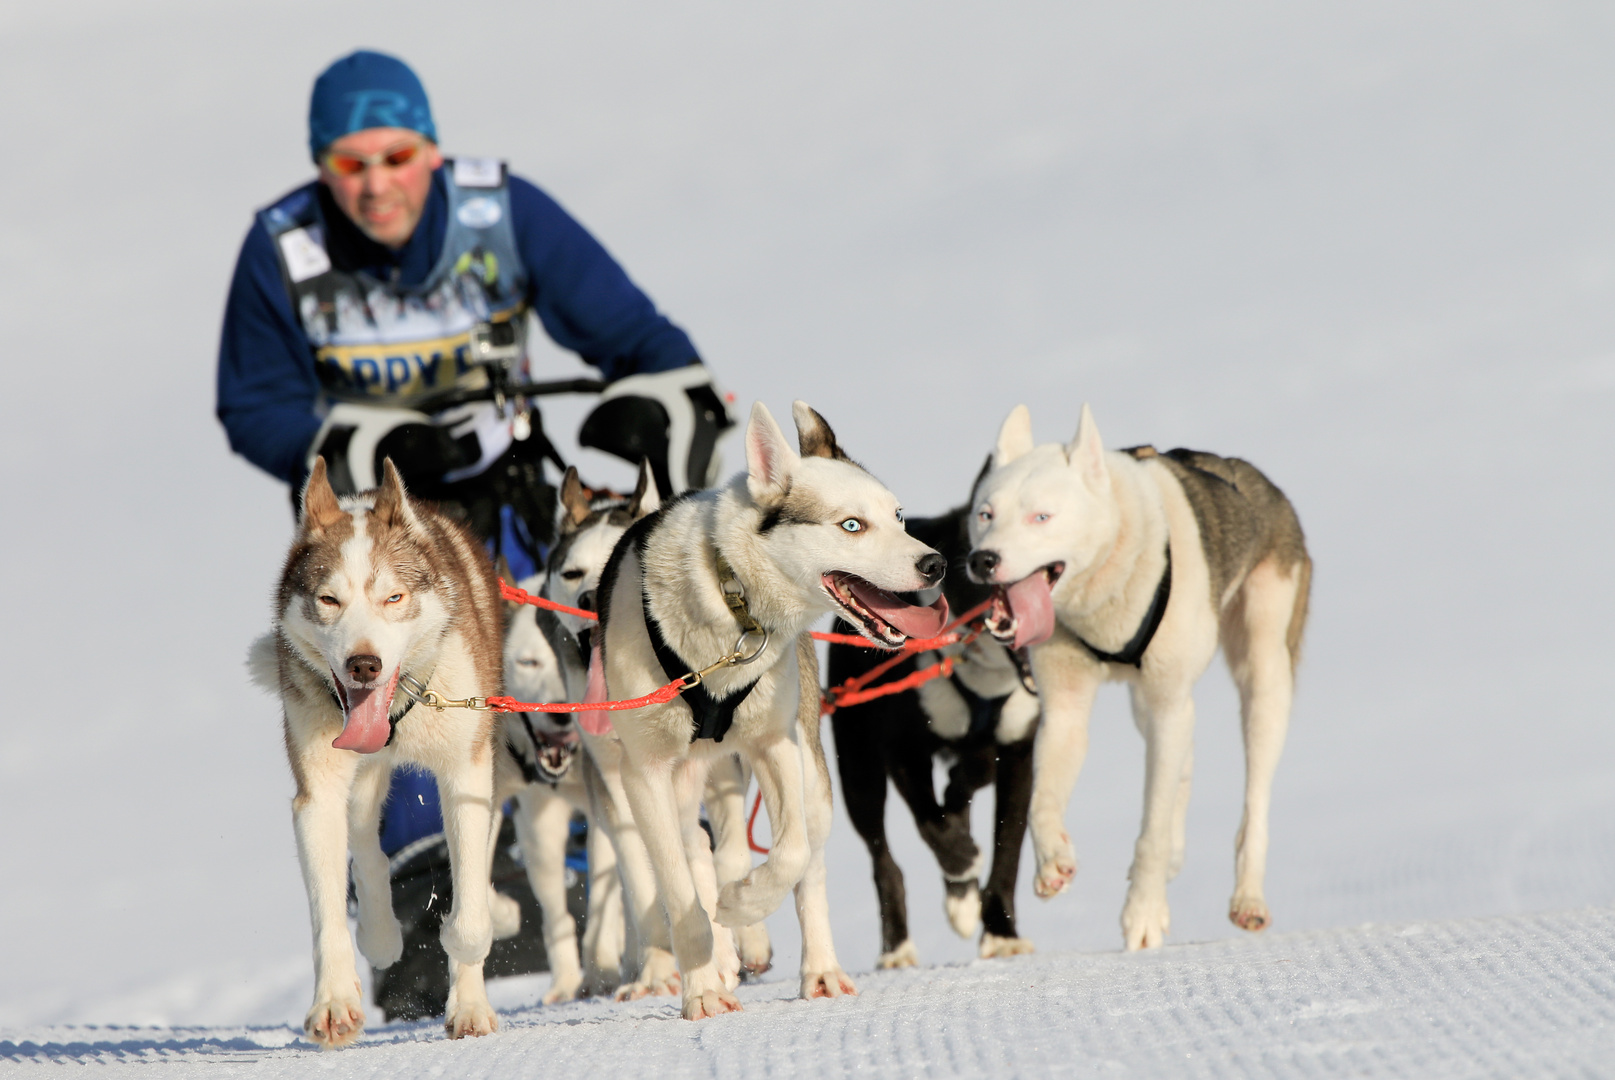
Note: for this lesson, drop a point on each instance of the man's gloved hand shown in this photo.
(673, 418)
(356, 439)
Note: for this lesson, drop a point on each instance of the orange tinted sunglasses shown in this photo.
(344, 163)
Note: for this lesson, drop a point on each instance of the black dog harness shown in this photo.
(1132, 653)
(711, 717)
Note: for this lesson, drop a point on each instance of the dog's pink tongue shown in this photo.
(364, 724)
(916, 622)
(595, 723)
(1033, 607)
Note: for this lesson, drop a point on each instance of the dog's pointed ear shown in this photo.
(320, 507)
(813, 435)
(646, 500)
(1014, 438)
(1087, 454)
(575, 506)
(392, 501)
(770, 461)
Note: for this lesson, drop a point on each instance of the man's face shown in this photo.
(384, 200)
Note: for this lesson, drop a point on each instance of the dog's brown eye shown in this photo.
(331, 600)
(571, 575)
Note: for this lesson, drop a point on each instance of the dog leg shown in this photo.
(658, 971)
(689, 778)
(1166, 719)
(1256, 630)
(1012, 795)
(603, 937)
(651, 793)
(727, 782)
(381, 939)
(1068, 680)
(778, 765)
(319, 818)
(863, 770)
(466, 795)
(821, 971)
(543, 822)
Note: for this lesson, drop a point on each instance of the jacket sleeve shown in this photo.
(584, 299)
(267, 388)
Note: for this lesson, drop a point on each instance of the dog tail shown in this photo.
(1298, 614)
(263, 663)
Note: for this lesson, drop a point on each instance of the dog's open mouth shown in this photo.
(1022, 614)
(883, 617)
(552, 751)
(365, 727)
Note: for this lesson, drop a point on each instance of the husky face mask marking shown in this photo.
(362, 592)
(826, 519)
(1031, 526)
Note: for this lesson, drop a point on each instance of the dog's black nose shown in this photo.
(932, 566)
(586, 600)
(561, 719)
(364, 668)
(982, 565)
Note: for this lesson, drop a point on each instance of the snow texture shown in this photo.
(1368, 246)
(1514, 996)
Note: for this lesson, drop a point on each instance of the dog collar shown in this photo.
(1132, 654)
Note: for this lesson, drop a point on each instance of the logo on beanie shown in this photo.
(379, 108)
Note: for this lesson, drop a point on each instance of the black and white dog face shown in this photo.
(836, 531)
(542, 664)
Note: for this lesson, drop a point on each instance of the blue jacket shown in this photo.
(267, 386)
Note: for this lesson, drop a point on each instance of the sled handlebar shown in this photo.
(499, 389)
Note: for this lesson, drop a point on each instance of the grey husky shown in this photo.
(726, 583)
(1134, 566)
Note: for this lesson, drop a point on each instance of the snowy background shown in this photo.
(1368, 246)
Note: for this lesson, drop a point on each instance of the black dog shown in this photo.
(982, 719)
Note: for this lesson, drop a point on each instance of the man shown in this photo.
(356, 298)
(357, 305)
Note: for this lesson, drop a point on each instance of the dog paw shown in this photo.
(962, 901)
(335, 1020)
(1145, 922)
(563, 988)
(743, 903)
(905, 955)
(658, 976)
(472, 1018)
(1249, 913)
(1053, 876)
(381, 944)
(827, 984)
(504, 915)
(710, 1003)
(756, 951)
(993, 947)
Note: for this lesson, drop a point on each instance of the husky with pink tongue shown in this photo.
(382, 601)
(1134, 566)
(727, 583)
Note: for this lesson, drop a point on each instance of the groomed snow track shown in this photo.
(1518, 996)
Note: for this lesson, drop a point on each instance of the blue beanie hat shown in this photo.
(366, 90)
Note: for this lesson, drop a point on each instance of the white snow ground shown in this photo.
(1370, 247)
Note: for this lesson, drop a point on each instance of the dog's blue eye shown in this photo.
(853, 525)
(395, 597)
(1038, 519)
(899, 513)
